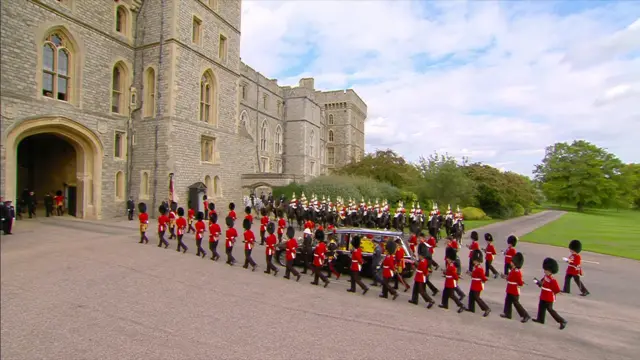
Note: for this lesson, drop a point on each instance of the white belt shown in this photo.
(512, 283)
(385, 267)
(507, 256)
(354, 261)
(449, 277)
(574, 266)
(419, 271)
(476, 279)
(545, 289)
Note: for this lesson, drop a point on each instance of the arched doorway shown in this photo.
(50, 154)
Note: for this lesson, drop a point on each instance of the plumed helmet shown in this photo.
(142, 207)
(391, 246)
(213, 218)
(162, 209)
(212, 206)
(319, 235)
(180, 211)
(291, 232)
(232, 206)
(512, 240)
(474, 235)
(451, 254)
(476, 255)
(518, 260)
(271, 227)
(246, 224)
(355, 242)
(247, 210)
(263, 212)
(229, 221)
(173, 206)
(59, 193)
(488, 237)
(575, 245)
(423, 250)
(199, 216)
(550, 265)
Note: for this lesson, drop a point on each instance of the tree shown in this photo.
(444, 181)
(628, 187)
(579, 173)
(384, 166)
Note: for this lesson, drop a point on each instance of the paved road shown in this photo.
(83, 290)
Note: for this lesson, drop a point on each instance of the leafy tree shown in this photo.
(444, 181)
(384, 166)
(628, 187)
(579, 173)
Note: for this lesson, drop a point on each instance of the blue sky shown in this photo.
(493, 81)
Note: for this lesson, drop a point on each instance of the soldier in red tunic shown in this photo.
(356, 266)
(249, 241)
(514, 282)
(490, 250)
(205, 206)
(264, 221)
(292, 249)
(549, 288)
(413, 242)
(214, 236)
(172, 220)
(282, 223)
(248, 216)
(432, 243)
(144, 222)
(478, 279)
(231, 235)
(512, 241)
(399, 255)
(212, 211)
(232, 211)
(191, 215)
(419, 281)
(388, 270)
(472, 247)
(451, 281)
(163, 221)
(574, 270)
(200, 228)
(319, 255)
(181, 225)
(271, 249)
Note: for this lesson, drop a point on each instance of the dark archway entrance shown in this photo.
(47, 163)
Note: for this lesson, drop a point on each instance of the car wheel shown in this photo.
(281, 258)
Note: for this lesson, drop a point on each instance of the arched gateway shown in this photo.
(47, 154)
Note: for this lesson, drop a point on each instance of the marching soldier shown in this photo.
(232, 211)
(490, 250)
(549, 288)
(388, 267)
(422, 271)
(214, 236)
(574, 271)
(231, 236)
(331, 257)
(307, 249)
(181, 225)
(172, 220)
(271, 249)
(512, 240)
(451, 281)
(399, 255)
(200, 228)
(248, 216)
(249, 241)
(191, 214)
(376, 262)
(432, 244)
(478, 279)
(356, 266)
(473, 247)
(212, 211)
(319, 255)
(514, 282)
(292, 248)
(144, 222)
(282, 223)
(264, 221)
(163, 220)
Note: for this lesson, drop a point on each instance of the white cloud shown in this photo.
(496, 82)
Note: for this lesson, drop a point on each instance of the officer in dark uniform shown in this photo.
(8, 216)
(130, 206)
(48, 204)
(307, 251)
(31, 204)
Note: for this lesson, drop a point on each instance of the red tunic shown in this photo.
(422, 271)
(292, 248)
(508, 255)
(388, 267)
(413, 243)
(233, 215)
(282, 223)
(211, 214)
(549, 289)
(451, 280)
(231, 235)
(356, 260)
(206, 205)
(214, 232)
(264, 221)
(172, 216)
(59, 200)
(478, 278)
(319, 254)
(490, 251)
(199, 229)
(271, 244)
(575, 268)
(400, 258)
(474, 246)
(514, 281)
(162, 222)
(144, 218)
(249, 239)
(181, 224)
(191, 214)
(431, 243)
(249, 217)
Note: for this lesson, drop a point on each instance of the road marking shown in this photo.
(591, 262)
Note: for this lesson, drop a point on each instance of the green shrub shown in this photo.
(517, 210)
(288, 190)
(473, 213)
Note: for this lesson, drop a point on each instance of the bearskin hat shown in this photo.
(142, 207)
(512, 240)
(476, 255)
(474, 235)
(355, 242)
(488, 237)
(391, 246)
(212, 206)
(451, 254)
(319, 235)
(247, 210)
(263, 212)
(229, 221)
(423, 250)
(271, 227)
(575, 245)
(232, 206)
(246, 224)
(180, 211)
(204, 197)
(518, 260)
(162, 210)
(173, 206)
(213, 218)
(59, 193)
(550, 265)
(291, 232)
(199, 216)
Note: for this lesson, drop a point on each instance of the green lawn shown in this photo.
(608, 232)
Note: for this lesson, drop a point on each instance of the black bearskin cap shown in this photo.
(488, 237)
(246, 224)
(271, 227)
(474, 235)
(355, 242)
(173, 206)
(212, 206)
(199, 216)
(180, 212)
(476, 255)
(162, 209)
(59, 193)
(550, 265)
(518, 260)
(232, 206)
(575, 245)
(213, 218)
(142, 207)
(247, 210)
(229, 221)
(204, 197)
(291, 232)
(263, 212)
(319, 235)
(391, 247)
(451, 254)
(512, 239)
(423, 250)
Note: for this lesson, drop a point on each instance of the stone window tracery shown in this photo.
(56, 67)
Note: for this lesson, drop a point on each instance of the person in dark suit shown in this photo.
(48, 204)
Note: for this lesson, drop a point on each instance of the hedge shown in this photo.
(473, 213)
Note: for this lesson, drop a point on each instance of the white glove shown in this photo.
(536, 281)
(565, 259)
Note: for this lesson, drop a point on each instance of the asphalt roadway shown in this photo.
(74, 289)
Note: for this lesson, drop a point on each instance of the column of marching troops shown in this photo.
(390, 268)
